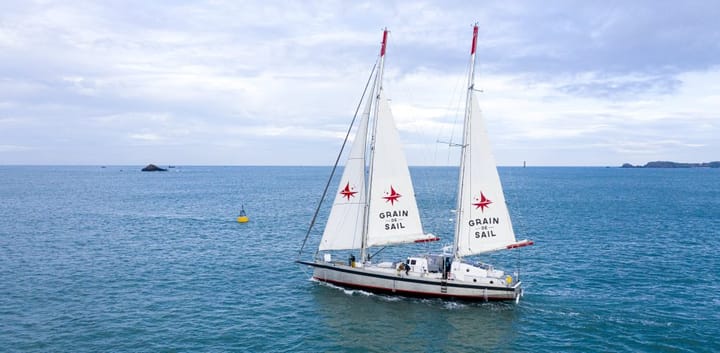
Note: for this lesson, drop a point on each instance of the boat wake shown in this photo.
(345, 290)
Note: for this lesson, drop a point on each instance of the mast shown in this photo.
(378, 89)
(464, 146)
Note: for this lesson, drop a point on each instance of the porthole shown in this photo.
(491, 282)
(474, 279)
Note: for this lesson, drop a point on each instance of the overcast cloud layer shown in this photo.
(276, 83)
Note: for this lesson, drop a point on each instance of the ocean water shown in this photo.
(111, 259)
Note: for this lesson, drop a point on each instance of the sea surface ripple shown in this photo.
(113, 259)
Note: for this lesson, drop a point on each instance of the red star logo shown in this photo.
(347, 192)
(394, 196)
(482, 202)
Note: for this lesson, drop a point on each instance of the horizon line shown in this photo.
(289, 165)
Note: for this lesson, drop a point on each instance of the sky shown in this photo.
(564, 83)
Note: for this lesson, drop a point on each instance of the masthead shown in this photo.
(384, 42)
(474, 41)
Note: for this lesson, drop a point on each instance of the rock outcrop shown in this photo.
(153, 168)
(666, 164)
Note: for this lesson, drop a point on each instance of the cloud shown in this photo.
(622, 87)
(146, 137)
(14, 148)
(199, 78)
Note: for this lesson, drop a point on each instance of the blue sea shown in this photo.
(115, 260)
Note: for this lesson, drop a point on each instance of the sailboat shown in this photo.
(375, 206)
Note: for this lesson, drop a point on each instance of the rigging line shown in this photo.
(337, 160)
(457, 104)
(377, 252)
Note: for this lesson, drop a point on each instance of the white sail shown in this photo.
(393, 216)
(345, 224)
(484, 220)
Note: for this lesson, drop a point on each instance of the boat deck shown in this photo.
(391, 268)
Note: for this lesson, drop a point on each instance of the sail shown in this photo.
(345, 224)
(484, 219)
(393, 216)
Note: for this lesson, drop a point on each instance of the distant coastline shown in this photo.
(666, 164)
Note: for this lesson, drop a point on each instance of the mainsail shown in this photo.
(393, 217)
(484, 223)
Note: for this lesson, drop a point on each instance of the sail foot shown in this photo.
(520, 244)
(428, 240)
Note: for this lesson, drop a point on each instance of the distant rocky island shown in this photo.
(666, 164)
(153, 168)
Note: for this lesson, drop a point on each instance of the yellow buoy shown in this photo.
(242, 217)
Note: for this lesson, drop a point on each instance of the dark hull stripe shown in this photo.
(405, 279)
(414, 294)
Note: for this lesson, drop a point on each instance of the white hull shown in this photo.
(424, 285)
